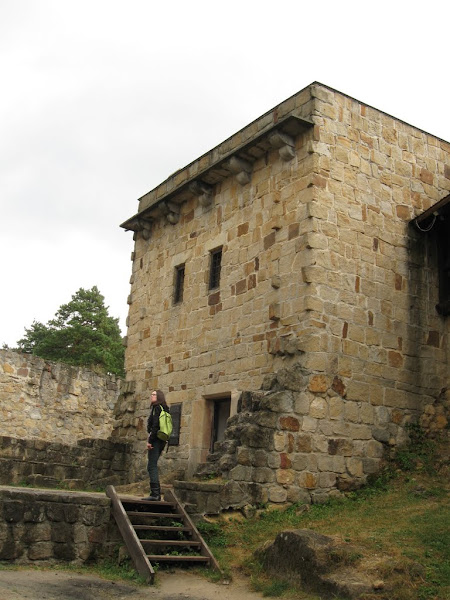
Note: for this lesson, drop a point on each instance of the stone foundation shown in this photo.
(38, 526)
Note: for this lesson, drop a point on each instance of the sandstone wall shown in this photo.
(289, 444)
(54, 401)
(89, 464)
(219, 342)
(320, 268)
(372, 279)
(52, 527)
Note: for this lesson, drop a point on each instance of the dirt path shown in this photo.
(62, 585)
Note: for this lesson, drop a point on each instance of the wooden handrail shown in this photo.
(169, 495)
(134, 547)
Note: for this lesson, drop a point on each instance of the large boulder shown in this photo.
(316, 562)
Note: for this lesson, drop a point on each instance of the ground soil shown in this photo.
(32, 584)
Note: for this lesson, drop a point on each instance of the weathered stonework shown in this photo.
(89, 464)
(54, 401)
(320, 268)
(51, 527)
(277, 451)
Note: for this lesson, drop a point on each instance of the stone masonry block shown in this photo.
(340, 446)
(277, 495)
(320, 443)
(241, 473)
(336, 406)
(370, 465)
(327, 480)
(304, 442)
(359, 391)
(355, 466)
(278, 402)
(41, 551)
(274, 460)
(307, 480)
(279, 441)
(302, 403)
(289, 423)
(293, 379)
(360, 432)
(318, 384)
(259, 458)
(374, 449)
(351, 412)
(299, 462)
(257, 437)
(265, 419)
(318, 408)
(285, 476)
(309, 424)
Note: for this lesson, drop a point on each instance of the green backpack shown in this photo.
(165, 425)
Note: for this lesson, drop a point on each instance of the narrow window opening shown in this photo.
(179, 284)
(214, 269)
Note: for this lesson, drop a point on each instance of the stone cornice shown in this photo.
(227, 159)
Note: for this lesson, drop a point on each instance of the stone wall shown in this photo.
(216, 343)
(89, 464)
(288, 443)
(320, 268)
(51, 527)
(54, 401)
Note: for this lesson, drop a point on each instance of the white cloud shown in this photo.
(101, 101)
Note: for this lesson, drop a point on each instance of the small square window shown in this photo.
(214, 268)
(178, 284)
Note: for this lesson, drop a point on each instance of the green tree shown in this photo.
(82, 333)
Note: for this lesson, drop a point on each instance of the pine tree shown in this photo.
(82, 333)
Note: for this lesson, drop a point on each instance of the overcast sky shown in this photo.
(102, 100)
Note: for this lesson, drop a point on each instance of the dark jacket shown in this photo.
(153, 423)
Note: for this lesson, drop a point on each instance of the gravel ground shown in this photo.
(60, 585)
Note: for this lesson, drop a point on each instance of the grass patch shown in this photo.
(399, 525)
(274, 589)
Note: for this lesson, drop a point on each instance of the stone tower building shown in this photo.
(314, 238)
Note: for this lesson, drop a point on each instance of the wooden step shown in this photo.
(127, 509)
(160, 515)
(140, 560)
(161, 528)
(161, 503)
(172, 558)
(171, 543)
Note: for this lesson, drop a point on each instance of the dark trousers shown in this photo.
(152, 464)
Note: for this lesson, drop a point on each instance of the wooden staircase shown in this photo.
(158, 532)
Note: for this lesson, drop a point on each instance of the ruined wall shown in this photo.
(54, 401)
(53, 527)
(320, 269)
(288, 443)
(89, 464)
